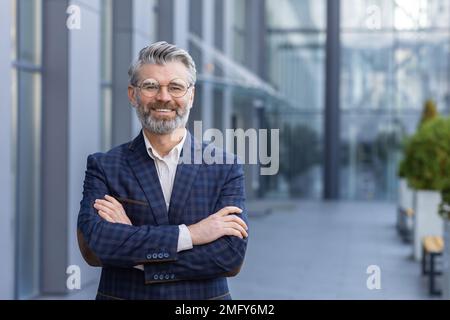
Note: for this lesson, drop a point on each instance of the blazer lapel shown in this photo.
(144, 169)
(188, 165)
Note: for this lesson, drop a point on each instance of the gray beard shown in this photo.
(161, 126)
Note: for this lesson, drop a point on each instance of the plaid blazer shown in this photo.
(201, 188)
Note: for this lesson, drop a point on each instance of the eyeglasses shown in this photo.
(177, 88)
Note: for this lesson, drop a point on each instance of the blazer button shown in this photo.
(155, 255)
(155, 277)
(149, 256)
(166, 255)
(161, 277)
(167, 277)
(160, 255)
(172, 276)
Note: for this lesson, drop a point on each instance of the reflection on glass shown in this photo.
(387, 73)
(296, 51)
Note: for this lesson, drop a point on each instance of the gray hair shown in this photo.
(161, 53)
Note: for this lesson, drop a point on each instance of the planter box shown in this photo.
(406, 195)
(426, 218)
(405, 202)
(446, 262)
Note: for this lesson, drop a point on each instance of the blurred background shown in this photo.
(345, 81)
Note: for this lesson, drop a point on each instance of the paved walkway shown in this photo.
(321, 250)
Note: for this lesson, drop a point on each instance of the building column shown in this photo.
(84, 121)
(55, 114)
(181, 23)
(165, 21)
(6, 168)
(144, 33)
(227, 110)
(207, 101)
(70, 132)
(122, 55)
(195, 28)
(255, 61)
(332, 111)
(255, 26)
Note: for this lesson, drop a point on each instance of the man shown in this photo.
(161, 224)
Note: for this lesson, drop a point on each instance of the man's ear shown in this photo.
(191, 98)
(132, 96)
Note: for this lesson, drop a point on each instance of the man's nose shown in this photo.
(163, 94)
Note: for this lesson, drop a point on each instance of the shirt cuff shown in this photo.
(184, 238)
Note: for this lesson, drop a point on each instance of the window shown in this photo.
(296, 60)
(395, 55)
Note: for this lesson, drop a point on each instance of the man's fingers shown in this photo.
(106, 209)
(112, 219)
(233, 232)
(124, 219)
(115, 210)
(106, 204)
(238, 227)
(113, 201)
(105, 216)
(235, 219)
(127, 221)
(227, 210)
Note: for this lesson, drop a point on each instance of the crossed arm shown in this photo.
(215, 226)
(107, 237)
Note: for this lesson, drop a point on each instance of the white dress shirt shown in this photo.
(166, 167)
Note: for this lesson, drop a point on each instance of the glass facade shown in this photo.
(256, 70)
(395, 55)
(296, 46)
(239, 31)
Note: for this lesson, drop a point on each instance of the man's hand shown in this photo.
(222, 223)
(111, 210)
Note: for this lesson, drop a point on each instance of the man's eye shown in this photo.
(176, 88)
(150, 87)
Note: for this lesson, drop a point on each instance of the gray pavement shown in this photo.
(321, 250)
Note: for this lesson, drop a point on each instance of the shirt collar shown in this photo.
(175, 152)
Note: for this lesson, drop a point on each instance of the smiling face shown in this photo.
(162, 113)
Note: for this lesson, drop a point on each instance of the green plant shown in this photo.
(429, 113)
(427, 156)
(297, 139)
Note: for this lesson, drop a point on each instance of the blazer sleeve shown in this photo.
(222, 257)
(113, 244)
